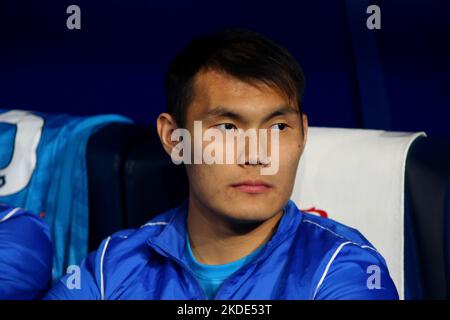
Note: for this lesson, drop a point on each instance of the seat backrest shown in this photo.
(428, 216)
(131, 179)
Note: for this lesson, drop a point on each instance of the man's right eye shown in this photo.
(226, 126)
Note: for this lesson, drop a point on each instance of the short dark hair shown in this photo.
(243, 54)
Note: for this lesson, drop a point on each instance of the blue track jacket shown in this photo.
(307, 257)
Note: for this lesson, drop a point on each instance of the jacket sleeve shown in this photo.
(25, 257)
(84, 282)
(355, 272)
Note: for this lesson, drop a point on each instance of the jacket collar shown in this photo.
(171, 241)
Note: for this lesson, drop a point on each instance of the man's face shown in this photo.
(226, 103)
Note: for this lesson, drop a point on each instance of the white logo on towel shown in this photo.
(17, 173)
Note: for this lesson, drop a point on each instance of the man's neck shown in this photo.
(218, 240)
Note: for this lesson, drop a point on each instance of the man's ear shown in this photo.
(165, 125)
(305, 129)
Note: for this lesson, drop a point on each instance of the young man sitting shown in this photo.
(237, 235)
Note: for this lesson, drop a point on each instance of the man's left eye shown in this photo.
(279, 126)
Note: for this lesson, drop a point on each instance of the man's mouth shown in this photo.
(252, 186)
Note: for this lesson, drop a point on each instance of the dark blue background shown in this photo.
(396, 78)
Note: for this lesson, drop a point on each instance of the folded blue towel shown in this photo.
(43, 169)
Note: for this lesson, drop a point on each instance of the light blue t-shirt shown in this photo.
(211, 277)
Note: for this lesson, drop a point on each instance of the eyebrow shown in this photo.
(221, 111)
(281, 111)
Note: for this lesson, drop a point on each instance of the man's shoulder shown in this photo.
(136, 237)
(332, 231)
(123, 254)
(132, 244)
(323, 239)
(347, 259)
(341, 256)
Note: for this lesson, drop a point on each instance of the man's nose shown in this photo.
(254, 150)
